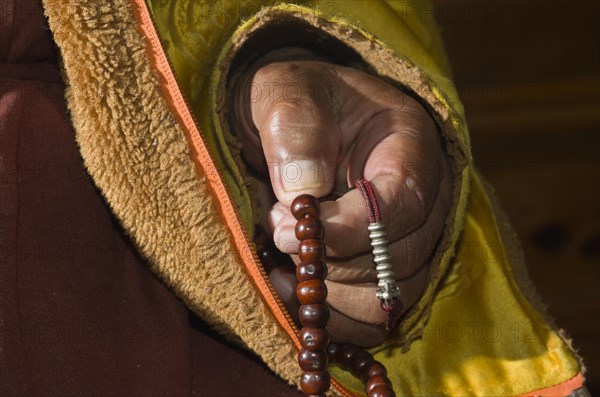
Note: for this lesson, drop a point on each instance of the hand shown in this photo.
(313, 127)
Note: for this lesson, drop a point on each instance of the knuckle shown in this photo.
(335, 248)
(373, 336)
(417, 196)
(297, 82)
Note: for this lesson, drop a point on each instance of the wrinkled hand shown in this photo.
(314, 127)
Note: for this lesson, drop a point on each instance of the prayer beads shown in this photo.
(316, 350)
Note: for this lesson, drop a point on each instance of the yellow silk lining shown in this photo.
(483, 337)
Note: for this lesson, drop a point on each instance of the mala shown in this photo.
(316, 350)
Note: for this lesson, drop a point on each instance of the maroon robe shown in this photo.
(80, 312)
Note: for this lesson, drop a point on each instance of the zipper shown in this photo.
(178, 103)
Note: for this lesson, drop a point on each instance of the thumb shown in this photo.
(299, 133)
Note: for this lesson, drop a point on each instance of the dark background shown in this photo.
(528, 75)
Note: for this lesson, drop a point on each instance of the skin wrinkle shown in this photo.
(402, 271)
(285, 136)
(419, 189)
(345, 295)
(345, 327)
(380, 168)
(397, 249)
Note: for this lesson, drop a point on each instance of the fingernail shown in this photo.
(301, 175)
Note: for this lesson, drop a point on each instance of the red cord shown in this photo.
(369, 199)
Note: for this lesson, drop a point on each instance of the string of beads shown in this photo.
(316, 350)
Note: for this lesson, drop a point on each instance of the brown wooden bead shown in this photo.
(312, 361)
(311, 291)
(311, 250)
(332, 350)
(305, 204)
(376, 368)
(376, 381)
(309, 227)
(360, 360)
(314, 315)
(315, 382)
(314, 339)
(336, 354)
(381, 391)
(268, 253)
(346, 354)
(311, 270)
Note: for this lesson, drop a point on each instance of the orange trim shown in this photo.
(203, 158)
(562, 389)
(176, 101)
